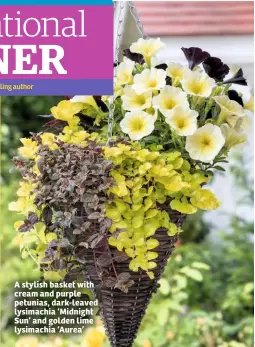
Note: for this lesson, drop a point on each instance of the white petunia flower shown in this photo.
(78, 98)
(246, 124)
(149, 80)
(132, 101)
(176, 70)
(147, 47)
(169, 98)
(249, 103)
(85, 99)
(230, 110)
(137, 124)
(205, 143)
(124, 72)
(182, 120)
(233, 136)
(198, 83)
(118, 89)
(155, 61)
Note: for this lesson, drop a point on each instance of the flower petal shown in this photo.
(195, 56)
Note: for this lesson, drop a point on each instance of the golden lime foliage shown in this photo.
(71, 134)
(25, 202)
(205, 200)
(65, 110)
(74, 135)
(144, 180)
(49, 139)
(29, 148)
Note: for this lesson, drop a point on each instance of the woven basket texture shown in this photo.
(122, 312)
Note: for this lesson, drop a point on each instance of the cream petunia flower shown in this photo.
(124, 72)
(182, 120)
(132, 101)
(85, 99)
(205, 143)
(246, 124)
(176, 70)
(118, 90)
(149, 80)
(249, 103)
(230, 110)
(233, 136)
(137, 124)
(169, 98)
(147, 47)
(155, 61)
(197, 83)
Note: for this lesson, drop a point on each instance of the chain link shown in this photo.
(119, 33)
(139, 25)
(119, 30)
(116, 56)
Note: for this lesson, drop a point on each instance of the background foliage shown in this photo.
(205, 298)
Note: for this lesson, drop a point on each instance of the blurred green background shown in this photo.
(205, 298)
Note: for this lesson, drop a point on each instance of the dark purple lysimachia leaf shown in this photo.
(120, 257)
(109, 281)
(195, 56)
(29, 223)
(71, 191)
(47, 215)
(124, 282)
(104, 260)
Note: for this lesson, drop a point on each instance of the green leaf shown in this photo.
(199, 265)
(40, 231)
(164, 286)
(248, 288)
(53, 276)
(151, 226)
(181, 281)
(50, 237)
(151, 213)
(147, 204)
(163, 315)
(192, 273)
(137, 221)
(210, 173)
(175, 306)
(220, 168)
(24, 254)
(222, 161)
(152, 243)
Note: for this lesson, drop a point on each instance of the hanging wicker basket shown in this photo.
(122, 312)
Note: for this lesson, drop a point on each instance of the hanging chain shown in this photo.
(119, 30)
(116, 55)
(139, 24)
(119, 33)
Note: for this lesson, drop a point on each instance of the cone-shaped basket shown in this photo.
(122, 312)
